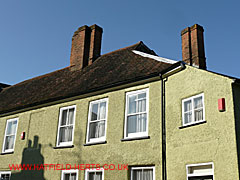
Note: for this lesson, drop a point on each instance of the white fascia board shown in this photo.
(157, 58)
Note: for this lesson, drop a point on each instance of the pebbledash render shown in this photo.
(125, 115)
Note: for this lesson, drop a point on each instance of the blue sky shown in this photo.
(35, 36)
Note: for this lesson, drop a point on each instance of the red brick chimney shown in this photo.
(86, 46)
(95, 43)
(193, 46)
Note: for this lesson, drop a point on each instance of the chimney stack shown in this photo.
(193, 46)
(95, 43)
(86, 46)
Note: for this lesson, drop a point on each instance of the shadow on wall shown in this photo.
(236, 99)
(31, 156)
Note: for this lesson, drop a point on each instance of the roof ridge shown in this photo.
(121, 49)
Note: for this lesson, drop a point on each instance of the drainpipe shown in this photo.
(177, 67)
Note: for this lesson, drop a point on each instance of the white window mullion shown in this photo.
(193, 113)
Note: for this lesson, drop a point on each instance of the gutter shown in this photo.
(175, 68)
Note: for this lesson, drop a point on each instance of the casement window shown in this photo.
(143, 173)
(97, 120)
(94, 174)
(66, 126)
(69, 175)
(10, 135)
(204, 171)
(193, 110)
(136, 114)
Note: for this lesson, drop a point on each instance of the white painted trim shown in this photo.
(193, 115)
(89, 119)
(59, 122)
(94, 170)
(200, 164)
(142, 168)
(3, 148)
(69, 171)
(157, 58)
(5, 172)
(139, 134)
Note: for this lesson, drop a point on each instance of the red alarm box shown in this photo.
(22, 135)
(221, 104)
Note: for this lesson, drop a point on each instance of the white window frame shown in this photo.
(138, 134)
(200, 164)
(59, 122)
(142, 168)
(69, 171)
(3, 148)
(193, 114)
(94, 170)
(5, 172)
(101, 139)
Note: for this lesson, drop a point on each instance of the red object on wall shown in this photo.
(22, 135)
(221, 104)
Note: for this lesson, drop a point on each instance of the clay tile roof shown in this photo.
(111, 69)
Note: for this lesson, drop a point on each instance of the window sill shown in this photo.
(136, 138)
(5, 153)
(62, 147)
(95, 143)
(193, 124)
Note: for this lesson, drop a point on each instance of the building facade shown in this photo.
(128, 114)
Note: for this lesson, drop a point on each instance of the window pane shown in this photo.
(187, 106)
(142, 121)
(137, 123)
(98, 176)
(142, 105)
(102, 110)
(198, 102)
(73, 176)
(91, 176)
(9, 142)
(187, 117)
(142, 95)
(147, 174)
(11, 127)
(132, 104)
(198, 114)
(131, 124)
(64, 117)
(137, 174)
(97, 129)
(65, 134)
(71, 116)
(94, 112)
(67, 176)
